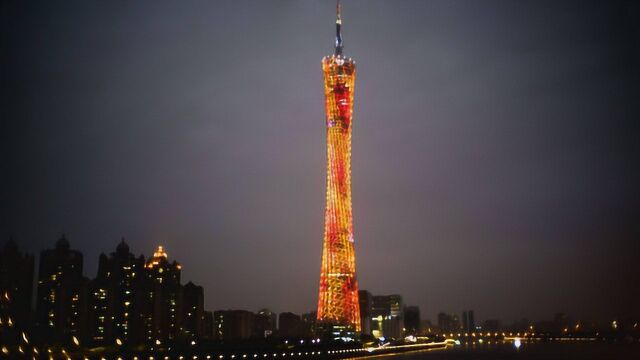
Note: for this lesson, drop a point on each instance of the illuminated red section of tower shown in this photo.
(338, 299)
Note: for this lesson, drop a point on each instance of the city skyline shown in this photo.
(137, 308)
(496, 154)
(31, 308)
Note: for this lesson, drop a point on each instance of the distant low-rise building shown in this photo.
(468, 321)
(426, 327)
(310, 321)
(411, 320)
(491, 325)
(387, 316)
(265, 323)
(448, 323)
(209, 326)
(366, 303)
(193, 311)
(231, 325)
(291, 325)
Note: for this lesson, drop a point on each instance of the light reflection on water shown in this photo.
(517, 343)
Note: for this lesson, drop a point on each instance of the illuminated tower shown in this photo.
(338, 298)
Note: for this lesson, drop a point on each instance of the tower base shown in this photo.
(336, 332)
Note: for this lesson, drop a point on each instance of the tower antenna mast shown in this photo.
(338, 25)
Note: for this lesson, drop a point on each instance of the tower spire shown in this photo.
(338, 24)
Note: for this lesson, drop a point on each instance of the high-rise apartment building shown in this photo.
(163, 297)
(117, 298)
(62, 291)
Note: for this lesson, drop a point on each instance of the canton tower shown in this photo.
(338, 296)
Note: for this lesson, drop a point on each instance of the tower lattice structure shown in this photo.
(338, 297)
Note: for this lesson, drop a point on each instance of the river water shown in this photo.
(527, 351)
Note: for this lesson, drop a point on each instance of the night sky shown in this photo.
(496, 146)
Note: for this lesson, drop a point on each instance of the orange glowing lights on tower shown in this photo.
(338, 298)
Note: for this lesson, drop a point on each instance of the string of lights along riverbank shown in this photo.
(338, 305)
